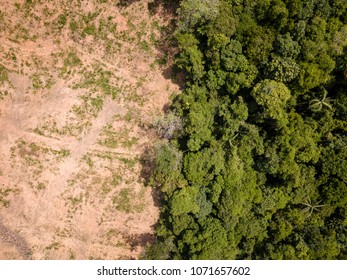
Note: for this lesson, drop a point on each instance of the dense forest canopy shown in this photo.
(258, 170)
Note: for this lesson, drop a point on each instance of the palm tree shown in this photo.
(317, 105)
(311, 207)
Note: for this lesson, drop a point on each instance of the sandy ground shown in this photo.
(79, 87)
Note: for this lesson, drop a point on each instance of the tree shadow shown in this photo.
(147, 161)
(139, 240)
(160, 6)
(166, 49)
(126, 3)
(154, 6)
(167, 46)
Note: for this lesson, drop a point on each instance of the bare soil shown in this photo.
(80, 83)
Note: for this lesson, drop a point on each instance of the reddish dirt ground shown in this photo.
(79, 87)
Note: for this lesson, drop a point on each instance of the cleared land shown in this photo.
(80, 83)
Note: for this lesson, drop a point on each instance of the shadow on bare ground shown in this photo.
(147, 166)
(142, 240)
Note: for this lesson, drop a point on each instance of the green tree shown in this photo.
(272, 96)
(199, 125)
(193, 13)
(282, 69)
(167, 169)
(201, 167)
(212, 242)
(191, 58)
(286, 46)
(185, 201)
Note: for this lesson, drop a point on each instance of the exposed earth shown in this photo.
(80, 84)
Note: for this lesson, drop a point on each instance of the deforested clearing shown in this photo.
(80, 84)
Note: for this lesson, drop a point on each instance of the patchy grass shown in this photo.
(63, 153)
(36, 82)
(75, 202)
(130, 163)
(71, 61)
(4, 196)
(88, 159)
(99, 80)
(128, 201)
(5, 82)
(111, 184)
(3, 74)
(38, 186)
(89, 108)
(112, 138)
(54, 246)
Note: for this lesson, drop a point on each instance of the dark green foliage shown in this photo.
(191, 58)
(199, 124)
(260, 168)
(212, 242)
(286, 47)
(201, 167)
(167, 169)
